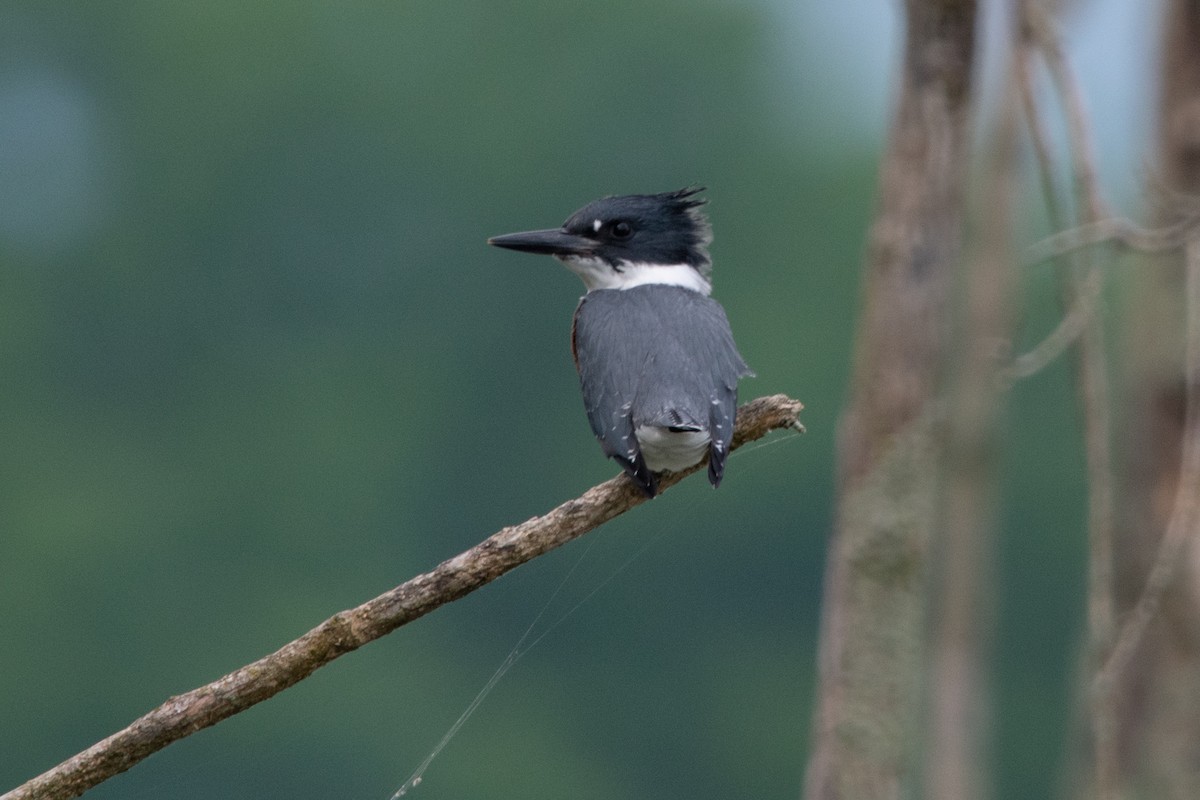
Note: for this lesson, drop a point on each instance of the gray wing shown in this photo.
(656, 355)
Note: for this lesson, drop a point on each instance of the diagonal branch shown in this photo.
(1116, 231)
(1111, 230)
(349, 630)
(1184, 521)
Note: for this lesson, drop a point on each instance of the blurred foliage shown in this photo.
(260, 366)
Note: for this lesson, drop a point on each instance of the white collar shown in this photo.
(599, 274)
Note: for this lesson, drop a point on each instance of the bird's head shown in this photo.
(629, 240)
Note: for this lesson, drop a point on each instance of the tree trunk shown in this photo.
(872, 637)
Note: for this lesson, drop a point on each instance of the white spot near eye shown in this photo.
(597, 225)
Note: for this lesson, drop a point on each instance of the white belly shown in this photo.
(669, 450)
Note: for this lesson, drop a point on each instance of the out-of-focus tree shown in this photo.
(873, 620)
(898, 569)
(1157, 691)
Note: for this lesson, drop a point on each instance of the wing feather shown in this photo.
(656, 355)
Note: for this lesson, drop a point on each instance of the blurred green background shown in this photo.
(259, 366)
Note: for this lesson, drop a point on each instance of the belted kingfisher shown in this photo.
(655, 356)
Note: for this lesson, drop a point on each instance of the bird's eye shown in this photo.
(622, 230)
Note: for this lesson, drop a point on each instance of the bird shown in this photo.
(657, 364)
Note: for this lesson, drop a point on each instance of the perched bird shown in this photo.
(655, 356)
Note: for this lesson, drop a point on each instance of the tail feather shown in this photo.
(640, 474)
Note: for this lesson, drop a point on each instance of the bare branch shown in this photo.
(1041, 26)
(1065, 333)
(1082, 289)
(349, 630)
(1185, 513)
(1153, 669)
(1118, 231)
(1114, 230)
